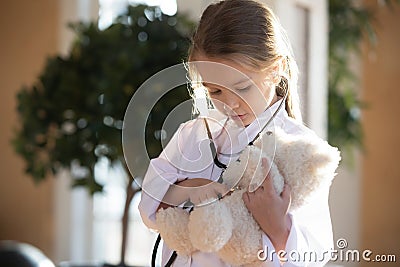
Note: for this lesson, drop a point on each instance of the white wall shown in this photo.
(72, 207)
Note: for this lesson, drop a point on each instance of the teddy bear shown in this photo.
(225, 226)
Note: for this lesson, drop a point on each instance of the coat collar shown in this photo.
(235, 139)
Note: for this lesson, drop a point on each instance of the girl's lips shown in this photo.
(238, 117)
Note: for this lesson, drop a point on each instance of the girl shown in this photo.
(241, 57)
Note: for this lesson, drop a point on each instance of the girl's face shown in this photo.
(238, 92)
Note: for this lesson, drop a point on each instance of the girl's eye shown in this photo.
(214, 92)
(244, 89)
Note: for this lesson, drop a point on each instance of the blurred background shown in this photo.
(71, 225)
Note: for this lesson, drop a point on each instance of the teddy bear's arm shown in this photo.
(172, 225)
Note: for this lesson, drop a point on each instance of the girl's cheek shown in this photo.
(256, 104)
(219, 105)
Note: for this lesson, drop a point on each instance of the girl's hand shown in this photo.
(270, 210)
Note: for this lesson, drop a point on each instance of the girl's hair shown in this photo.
(248, 33)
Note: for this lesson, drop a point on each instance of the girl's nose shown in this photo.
(232, 101)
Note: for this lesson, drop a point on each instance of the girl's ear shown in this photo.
(281, 65)
(276, 71)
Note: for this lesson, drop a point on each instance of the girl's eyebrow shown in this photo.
(206, 84)
(241, 81)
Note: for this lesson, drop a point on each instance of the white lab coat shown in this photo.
(188, 155)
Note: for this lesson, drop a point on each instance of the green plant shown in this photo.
(73, 114)
(349, 24)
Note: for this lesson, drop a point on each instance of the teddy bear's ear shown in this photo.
(329, 158)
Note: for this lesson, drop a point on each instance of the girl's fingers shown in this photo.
(252, 188)
(246, 198)
(286, 195)
(268, 184)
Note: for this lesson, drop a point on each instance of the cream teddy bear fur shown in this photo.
(226, 226)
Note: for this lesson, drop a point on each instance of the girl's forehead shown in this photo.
(224, 73)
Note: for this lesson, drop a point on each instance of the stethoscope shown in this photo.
(219, 165)
(213, 148)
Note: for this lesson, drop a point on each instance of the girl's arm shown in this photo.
(171, 167)
(305, 235)
(195, 190)
(271, 211)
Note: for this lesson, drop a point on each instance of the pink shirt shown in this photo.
(188, 155)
